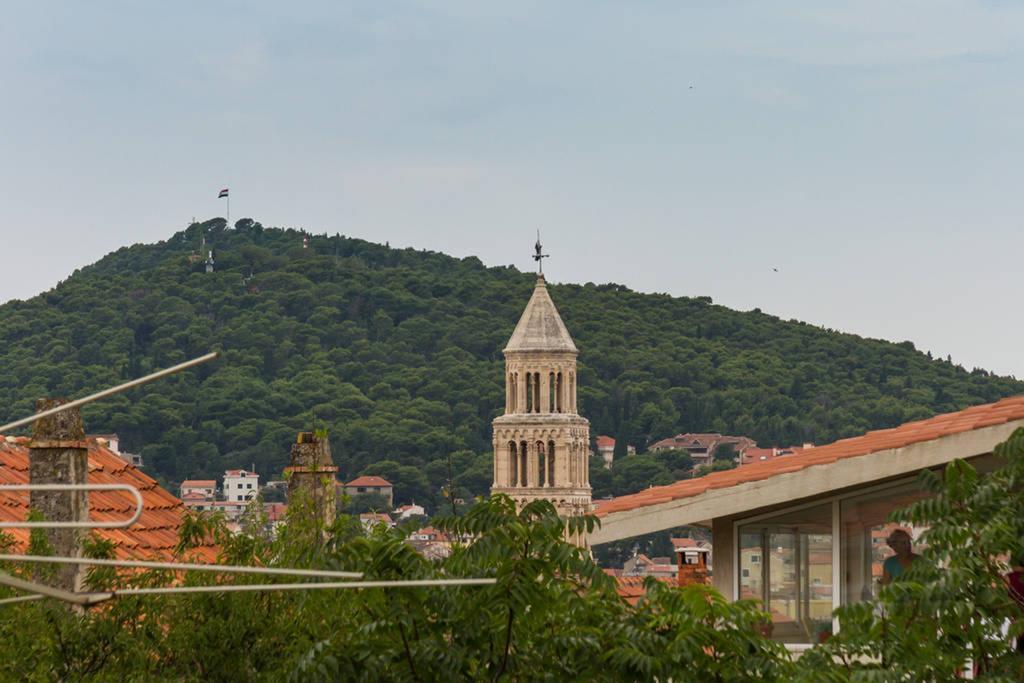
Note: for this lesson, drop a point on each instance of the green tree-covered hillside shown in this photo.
(398, 353)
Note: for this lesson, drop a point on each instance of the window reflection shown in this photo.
(865, 531)
(786, 563)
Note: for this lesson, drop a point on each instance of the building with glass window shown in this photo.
(806, 533)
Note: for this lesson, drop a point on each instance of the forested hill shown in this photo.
(398, 353)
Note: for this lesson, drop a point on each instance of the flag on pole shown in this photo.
(223, 193)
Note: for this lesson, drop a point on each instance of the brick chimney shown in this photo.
(58, 454)
(693, 565)
(311, 476)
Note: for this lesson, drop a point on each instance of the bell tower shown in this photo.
(541, 443)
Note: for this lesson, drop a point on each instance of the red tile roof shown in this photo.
(631, 588)
(966, 420)
(238, 473)
(198, 483)
(605, 442)
(153, 537)
(702, 440)
(369, 481)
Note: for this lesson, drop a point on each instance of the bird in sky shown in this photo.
(775, 269)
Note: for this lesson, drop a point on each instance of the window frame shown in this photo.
(839, 555)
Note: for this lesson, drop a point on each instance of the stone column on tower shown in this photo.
(540, 371)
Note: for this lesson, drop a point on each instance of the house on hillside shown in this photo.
(605, 447)
(702, 447)
(240, 485)
(371, 484)
(198, 489)
(805, 533)
(113, 443)
(410, 510)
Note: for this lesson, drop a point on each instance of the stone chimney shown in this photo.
(311, 476)
(58, 454)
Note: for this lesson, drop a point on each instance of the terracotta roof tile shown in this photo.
(975, 417)
(152, 537)
(369, 481)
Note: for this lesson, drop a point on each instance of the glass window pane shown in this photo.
(786, 562)
(751, 581)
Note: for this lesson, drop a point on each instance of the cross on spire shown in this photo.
(539, 254)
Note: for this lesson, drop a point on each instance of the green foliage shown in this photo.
(366, 502)
(552, 615)
(398, 353)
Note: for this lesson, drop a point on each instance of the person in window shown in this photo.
(899, 541)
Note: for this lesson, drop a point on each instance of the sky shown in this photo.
(851, 164)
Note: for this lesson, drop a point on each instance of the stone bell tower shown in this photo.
(541, 443)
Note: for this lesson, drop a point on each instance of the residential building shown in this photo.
(233, 510)
(541, 443)
(113, 443)
(432, 543)
(702, 447)
(370, 520)
(371, 484)
(804, 534)
(240, 485)
(641, 565)
(410, 510)
(605, 448)
(205, 489)
(197, 502)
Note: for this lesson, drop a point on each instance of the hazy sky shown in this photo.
(871, 151)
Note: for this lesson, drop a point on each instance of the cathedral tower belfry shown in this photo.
(541, 443)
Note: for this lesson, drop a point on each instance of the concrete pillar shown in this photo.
(723, 543)
(58, 454)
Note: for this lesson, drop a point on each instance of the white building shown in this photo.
(407, 511)
(240, 485)
(113, 443)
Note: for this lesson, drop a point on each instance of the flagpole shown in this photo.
(229, 210)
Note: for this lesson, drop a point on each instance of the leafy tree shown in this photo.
(366, 502)
(727, 452)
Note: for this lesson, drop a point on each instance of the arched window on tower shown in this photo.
(551, 463)
(513, 464)
(536, 392)
(529, 392)
(572, 393)
(560, 389)
(542, 469)
(552, 392)
(522, 463)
